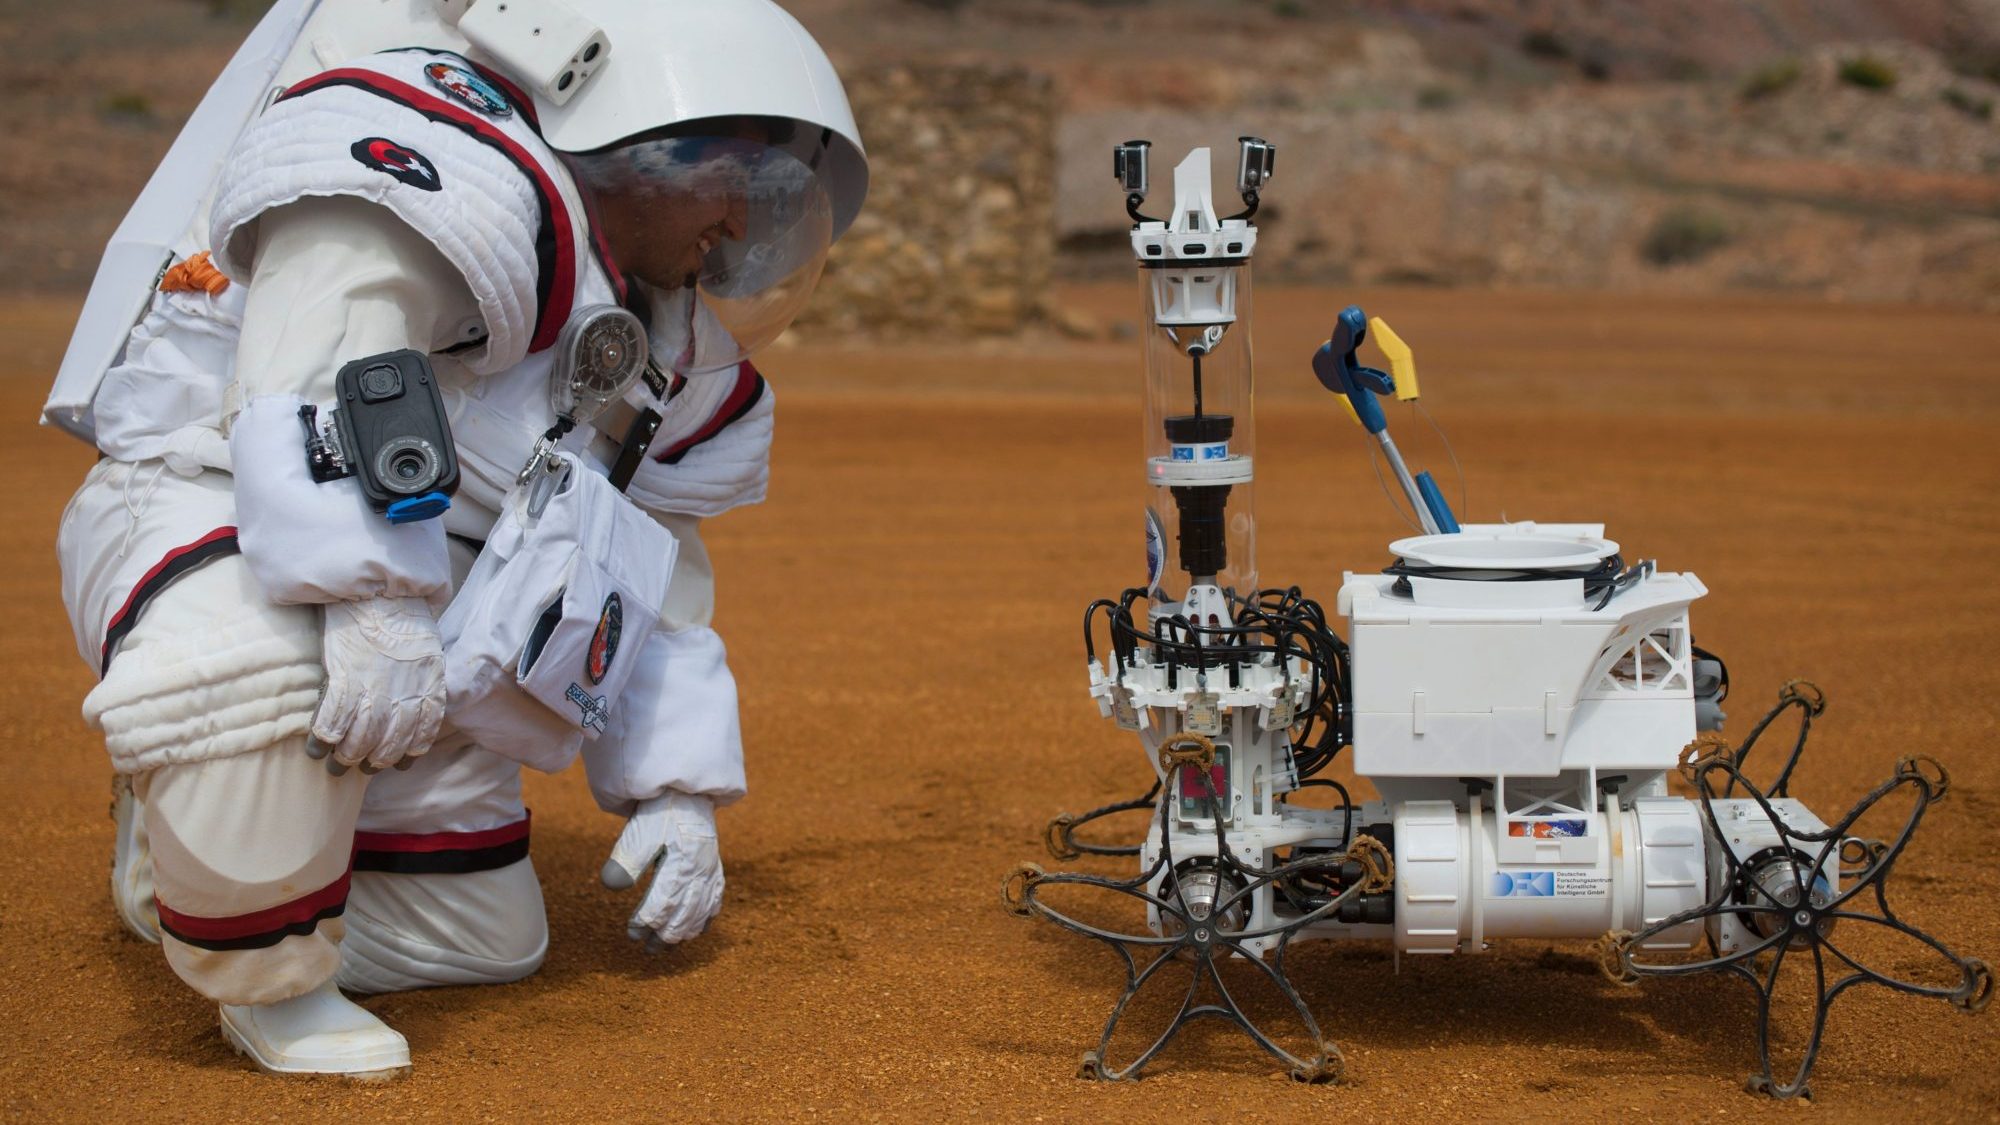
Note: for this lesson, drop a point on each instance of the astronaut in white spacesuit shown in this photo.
(443, 178)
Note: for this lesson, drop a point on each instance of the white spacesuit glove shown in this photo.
(384, 684)
(677, 830)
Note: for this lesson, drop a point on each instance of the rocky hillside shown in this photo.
(1793, 178)
(1844, 148)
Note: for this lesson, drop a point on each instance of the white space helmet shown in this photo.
(641, 92)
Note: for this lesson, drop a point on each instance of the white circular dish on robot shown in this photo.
(1470, 553)
(1512, 550)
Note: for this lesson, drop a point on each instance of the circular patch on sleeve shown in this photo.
(604, 642)
(467, 86)
(404, 163)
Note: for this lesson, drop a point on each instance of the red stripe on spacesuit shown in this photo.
(748, 390)
(180, 560)
(514, 93)
(602, 247)
(260, 928)
(440, 841)
(441, 853)
(559, 296)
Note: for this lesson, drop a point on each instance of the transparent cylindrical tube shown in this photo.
(1200, 435)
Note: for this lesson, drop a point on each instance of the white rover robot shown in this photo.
(1516, 694)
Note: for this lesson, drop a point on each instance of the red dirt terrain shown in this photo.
(903, 618)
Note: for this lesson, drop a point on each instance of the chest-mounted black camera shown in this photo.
(389, 432)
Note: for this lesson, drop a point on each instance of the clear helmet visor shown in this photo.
(735, 234)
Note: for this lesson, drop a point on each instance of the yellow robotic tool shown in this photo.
(1402, 365)
(1402, 361)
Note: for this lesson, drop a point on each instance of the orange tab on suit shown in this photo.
(193, 274)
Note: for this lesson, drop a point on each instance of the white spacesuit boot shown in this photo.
(132, 864)
(321, 1032)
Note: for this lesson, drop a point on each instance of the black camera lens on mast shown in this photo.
(1129, 163)
(1255, 159)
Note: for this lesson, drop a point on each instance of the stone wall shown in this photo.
(958, 234)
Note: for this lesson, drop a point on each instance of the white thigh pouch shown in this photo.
(677, 728)
(311, 543)
(543, 634)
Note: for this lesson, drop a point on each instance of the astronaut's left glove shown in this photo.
(677, 831)
(384, 683)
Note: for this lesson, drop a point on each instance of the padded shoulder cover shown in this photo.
(452, 150)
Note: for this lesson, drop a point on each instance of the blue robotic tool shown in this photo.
(1360, 388)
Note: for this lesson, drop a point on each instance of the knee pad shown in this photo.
(250, 868)
(210, 670)
(409, 931)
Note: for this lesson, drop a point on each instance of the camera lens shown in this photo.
(381, 382)
(408, 465)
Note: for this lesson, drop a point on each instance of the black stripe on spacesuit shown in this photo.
(714, 426)
(263, 940)
(208, 548)
(545, 233)
(259, 928)
(450, 861)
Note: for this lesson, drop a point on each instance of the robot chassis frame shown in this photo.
(1526, 663)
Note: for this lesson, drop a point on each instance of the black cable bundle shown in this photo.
(1280, 623)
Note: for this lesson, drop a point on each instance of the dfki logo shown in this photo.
(405, 164)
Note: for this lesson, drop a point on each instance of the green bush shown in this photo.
(1975, 59)
(1683, 68)
(1543, 43)
(1685, 234)
(1867, 73)
(240, 11)
(1770, 79)
(126, 105)
(1979, 108)
(1436, 97)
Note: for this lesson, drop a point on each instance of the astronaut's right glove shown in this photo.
(384, 683)
(678, 831)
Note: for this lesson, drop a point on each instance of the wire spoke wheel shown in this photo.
(1202, 905)
(1802, 931)
(1059, 836)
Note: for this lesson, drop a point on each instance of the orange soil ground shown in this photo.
(903, 617)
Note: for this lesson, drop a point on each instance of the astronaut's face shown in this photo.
(661, 234)
(665, 204)
(728, 229)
